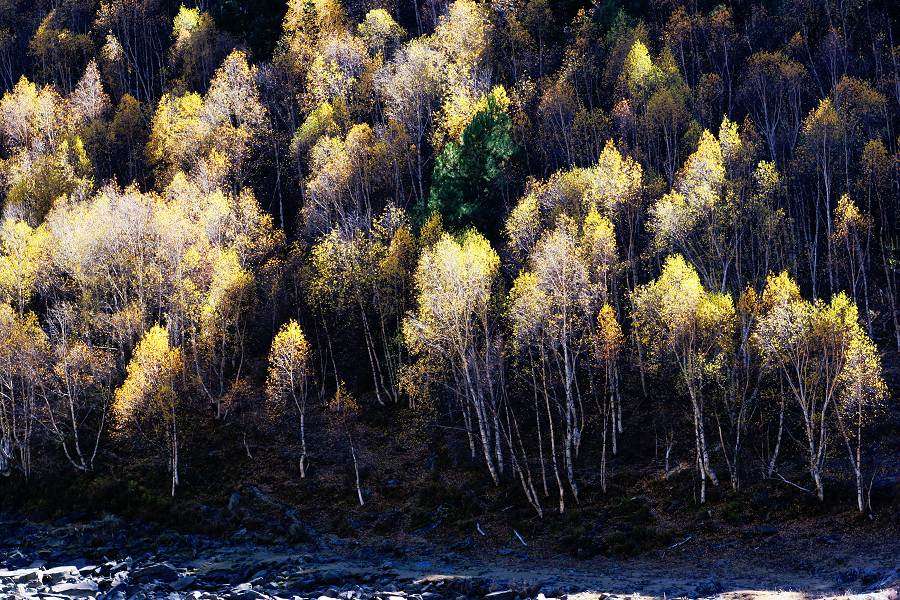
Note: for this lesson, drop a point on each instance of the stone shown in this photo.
(78, 589)
(233, 501)
(245, 592)
(20, 575)
(710, 587)
(159, 572)
(183, 583)
(58, 574)
(113, 567)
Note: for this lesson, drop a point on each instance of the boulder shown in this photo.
(158, 572)
(78, 589)
(710, 587)
(21, 575)
(183, 583)
(59, 574)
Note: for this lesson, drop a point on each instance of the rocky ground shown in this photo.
(110, 558)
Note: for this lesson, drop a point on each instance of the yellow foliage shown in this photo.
(289, 363)
(177, 133)
(780, 289)
(149, 387)
(460, 107)
(730, 140)
(342, 406)
(698, 194)
(527, 307)
(767, 178)
(379, 30)
(639, 73)
(432, 230)
(228, 299)
(610, 339)
(848, 219)
(31, 118)
(676, 314)
(703, 175)
(186, 21)
(598, 245)
(453, 280)
(463, 37)
(617, 180)
(23, 254)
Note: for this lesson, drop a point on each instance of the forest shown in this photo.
(551, 247)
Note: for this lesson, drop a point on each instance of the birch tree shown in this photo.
(149, 400)
(676, 317)
(821, 350)
(863, 390)
(552, 308)
(453, 333)
(288, 378)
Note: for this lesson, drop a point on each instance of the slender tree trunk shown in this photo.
(774, 459)
(174, 454)
(356, 471)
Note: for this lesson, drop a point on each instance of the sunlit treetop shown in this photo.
(152, 373)
(31, 118)
(785, 325)
(89, 100)
(610, 339)
(341, 70)
(289, 363)
(822, 125)
(460, 107)
(616, 181)
(463, 37)
(848, 219)
(23, 255)
(639, 73)
(675, 313)
(862, 384)
(454, 280)
(697, 193)
(380, 31)
(729, 141)
(565, 284)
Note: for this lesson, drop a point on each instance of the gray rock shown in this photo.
(183, 583)
(113, 567)
(710, 587)
(59, 574)
(246, 592)
(234, 501)
(78, 589)
(159, 572)
(21, 575)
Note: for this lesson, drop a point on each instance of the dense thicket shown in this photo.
(515, 220)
